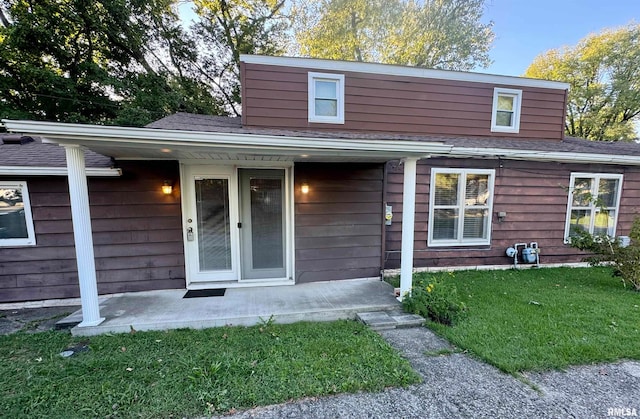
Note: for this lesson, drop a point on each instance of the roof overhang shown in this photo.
(55, 171)
(150, 143)
(537, 155)
(397, 70)
(160, 144)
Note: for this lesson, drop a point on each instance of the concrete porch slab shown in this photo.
(166, 309)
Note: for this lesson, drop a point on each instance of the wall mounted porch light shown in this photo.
(304, 188)
(167, 187)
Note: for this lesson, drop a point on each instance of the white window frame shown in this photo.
(592, 205)
(338, 79)
(517, 105)
(460, 240)
(30, 240)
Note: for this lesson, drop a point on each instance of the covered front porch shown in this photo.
(168, 309)
(237, 151)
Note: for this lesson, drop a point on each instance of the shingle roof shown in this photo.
(205, 123)
(39, 154)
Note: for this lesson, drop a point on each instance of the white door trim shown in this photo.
(192, 271)
(230, 168)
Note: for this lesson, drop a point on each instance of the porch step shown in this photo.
(383, 320)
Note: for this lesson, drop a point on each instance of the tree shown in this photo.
(228, 28)
(446, 34)
(94, 61)
(603, 71)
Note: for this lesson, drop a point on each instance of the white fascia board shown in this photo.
(55, 171)
(396, 70)
(62, 133)
(535, 155)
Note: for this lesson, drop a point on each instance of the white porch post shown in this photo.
(408, 219)
(79, 195)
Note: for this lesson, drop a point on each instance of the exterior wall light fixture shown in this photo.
(167, 187)
(304, 188)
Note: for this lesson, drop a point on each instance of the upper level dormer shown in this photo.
(304, 93)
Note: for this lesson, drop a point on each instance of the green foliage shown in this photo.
(582, 316)
(604, 73)
(607, 250)
(128, 62)
(435, 298)
(444, 34)
(192, 373)
(227, 28)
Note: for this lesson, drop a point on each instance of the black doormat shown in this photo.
(218, 292)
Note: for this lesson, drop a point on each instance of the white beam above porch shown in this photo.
(124, 142)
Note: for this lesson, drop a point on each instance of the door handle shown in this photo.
(239, 225)
(190, 234)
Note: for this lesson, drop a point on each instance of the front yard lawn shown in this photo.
(540, 319)
(192, 372)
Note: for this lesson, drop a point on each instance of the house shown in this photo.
(336, 170)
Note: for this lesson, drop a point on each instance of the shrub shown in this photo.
(607, 250)
(435, 298)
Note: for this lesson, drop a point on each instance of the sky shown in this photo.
(526, 28)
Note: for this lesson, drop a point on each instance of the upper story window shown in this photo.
(460, 207)
(326, 98)
(594, 200)
(16, 223)
(506, 110)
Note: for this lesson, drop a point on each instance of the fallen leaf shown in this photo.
(225, 336)
(129, 369)
(39, 359)
(123, 349)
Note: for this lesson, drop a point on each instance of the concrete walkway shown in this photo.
(458, 386)
(317, 301)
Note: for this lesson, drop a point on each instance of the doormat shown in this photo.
(218, 292)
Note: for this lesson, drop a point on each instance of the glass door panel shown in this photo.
(262, 209)
(213, 224)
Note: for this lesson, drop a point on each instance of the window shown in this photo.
(16, 224)
(593, 204)
(326, 98)
(460, 207)
(506, 110)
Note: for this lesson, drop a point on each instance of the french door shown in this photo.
(235, 224)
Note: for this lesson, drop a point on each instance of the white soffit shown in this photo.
(537, 155)
(396, 70)
(55, 171)
(97, 137)
(150, 138)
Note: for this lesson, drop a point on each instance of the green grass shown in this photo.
(542, 319)
(192, 373)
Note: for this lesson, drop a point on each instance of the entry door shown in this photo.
(211, 238)
(262, 223)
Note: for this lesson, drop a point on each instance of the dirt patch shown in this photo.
(32, 320)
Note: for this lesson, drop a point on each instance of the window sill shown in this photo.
(453, 245)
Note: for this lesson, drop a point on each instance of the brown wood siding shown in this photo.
(137, 236)
(534, 196)
(276, 97)
(338, 224)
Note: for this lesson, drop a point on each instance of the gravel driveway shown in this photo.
(457, 385)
